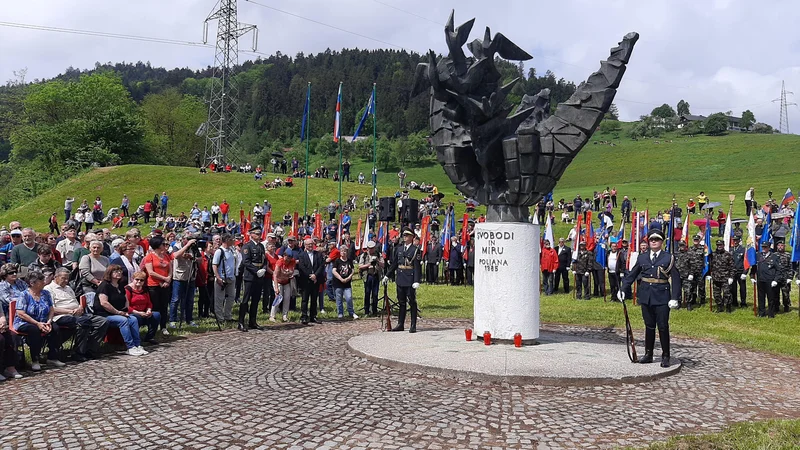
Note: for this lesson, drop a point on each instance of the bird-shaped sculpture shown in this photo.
(506, 161)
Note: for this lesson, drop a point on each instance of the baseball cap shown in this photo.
(16, 232)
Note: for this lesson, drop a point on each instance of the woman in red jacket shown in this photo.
(140, 305)
(549, 265)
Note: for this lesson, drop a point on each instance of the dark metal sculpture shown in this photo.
(508, 162)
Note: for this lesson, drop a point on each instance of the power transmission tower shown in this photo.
(783, 126)
(222, 128)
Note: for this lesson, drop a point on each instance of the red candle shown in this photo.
(487, 338)
(468, 333)
(517, 340)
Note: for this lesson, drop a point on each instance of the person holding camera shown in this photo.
(371, 265)
(184, 270)
(254, 265)
(224, 265)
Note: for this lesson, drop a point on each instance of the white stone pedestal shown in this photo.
(507, 280)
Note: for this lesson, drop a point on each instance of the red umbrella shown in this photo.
(702, 223)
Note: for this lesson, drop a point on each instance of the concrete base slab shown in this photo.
(558, 358)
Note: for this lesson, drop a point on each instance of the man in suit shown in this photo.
(455, 262)
(433, 255)
(658, 292)
(406, 261)
(311, 266)
(766, 281)
(564, 262)
(254, 266)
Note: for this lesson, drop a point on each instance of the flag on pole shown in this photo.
(267, 225)
(425, 234)
(318, 225)
(707, 245)
(339, 232)
(359, 242)
(367, 112)
(766, 235)
(750, 253)
(464, 230)
(576, 241)
(600, 257)
(337, 129)
(794, 241)
(788, 197)
(305, 115)
(686, 228)
(726, 235)
(621, 234)
(295, 225)
(445, 240)
(548, 230)
(365, 239)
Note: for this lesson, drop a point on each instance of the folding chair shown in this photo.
(20, 336)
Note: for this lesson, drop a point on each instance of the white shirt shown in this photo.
(131, 266)
(748, 195)
(311, 257)
(215, 209)
(612, 262)
(63, 297)
(654, 255)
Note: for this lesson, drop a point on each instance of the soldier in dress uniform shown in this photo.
(785, 274)
(722, 273)
(698, 257)
(582, 268)
(658, 292)
(739, 274)
(406, 261)
(254, 267)
(684, 265)
(766, 281)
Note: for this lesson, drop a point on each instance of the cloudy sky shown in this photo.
(718, 55)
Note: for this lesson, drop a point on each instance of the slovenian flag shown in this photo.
(788, 197)
(367, 112)
(548, 231)
(337, 128)
(750, 254)
(794, 241)
(707, 245)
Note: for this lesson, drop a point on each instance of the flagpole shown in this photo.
(374, 194)
(308, 124)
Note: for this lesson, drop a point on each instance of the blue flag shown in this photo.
(766, 235)
(795, 239)
(305, 115)
(601, 249)
(367, 112)
(707, 243)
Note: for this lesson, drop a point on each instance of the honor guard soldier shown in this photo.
(698, 257)
(254, 264)
(683, 264)
(406, 262)
(766, 280)
(582, 268)
(785, 274)
(658, 292)
(740, 275)
(722, 273)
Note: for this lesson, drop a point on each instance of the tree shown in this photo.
(762, 128)
(610, 126)
(613, 113)
(716, 124)
(683, 108)
(748, 119)
(664, 111)
(171, 121)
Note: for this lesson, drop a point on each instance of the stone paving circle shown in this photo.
(558, 358)
(301, 388)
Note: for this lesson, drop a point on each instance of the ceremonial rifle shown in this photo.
(755, 296)
(630, 343)
(387, 306)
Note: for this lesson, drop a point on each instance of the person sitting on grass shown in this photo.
(111, 303)
(141, 307)
(34, 319)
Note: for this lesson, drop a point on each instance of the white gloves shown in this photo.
(415, 286)
(774, 283)
(261, 273)
(385, 281)
(621, 295)
(573, 272)
(691, 277)
(708, 278)
(744, 276)
(730, 280)
(586, 274)
(673, 304)
(788, 281)
(798, 282)
(753, 280)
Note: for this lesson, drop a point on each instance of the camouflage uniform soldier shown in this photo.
(698, 258)
(785, 274)
(582, 268)
(722, 273)
(683, 264)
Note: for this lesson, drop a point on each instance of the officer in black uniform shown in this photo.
(659, 291)
(254, 266)
(406, 260)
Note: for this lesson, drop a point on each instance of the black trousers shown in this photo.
(613, 284)
(89, 332)
(749, 206)
(469, 273)
(742, 291)
(769, 294)
(160, 297)
(250, 301)
(562, 274)
(656, 316)
(310, 294)
(431, 273)
(598, 278)
(407, 298)
(456, 276)
(582, 284)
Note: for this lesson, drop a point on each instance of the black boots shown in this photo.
(401, 318)
(241, 327)
(413, 328)
(728, 309)
(647, 358)
(664, 359)
(689, 306)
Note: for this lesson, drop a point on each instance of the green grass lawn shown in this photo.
(767, 435)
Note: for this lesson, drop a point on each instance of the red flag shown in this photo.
(241, 219)
(295, 227)
(267, 225)
(464, 230)
(339, 232)
(358, 236)
(423, 239)
(318, 225)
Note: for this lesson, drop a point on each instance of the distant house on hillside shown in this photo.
(350, 138)
(734, 123)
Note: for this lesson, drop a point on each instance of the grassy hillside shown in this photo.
(649, 171)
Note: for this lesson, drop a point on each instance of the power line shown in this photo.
(408, 12)
(326, 25)
(726, 108)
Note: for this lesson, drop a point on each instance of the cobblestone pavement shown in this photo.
(300, 388)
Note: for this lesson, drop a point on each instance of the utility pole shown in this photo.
(222, 128)
(783, 126)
